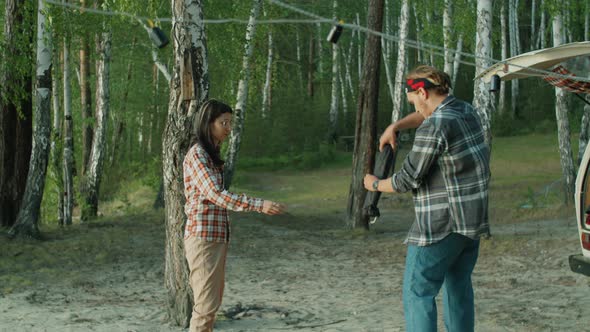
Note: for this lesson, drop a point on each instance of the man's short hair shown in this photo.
(440, 79)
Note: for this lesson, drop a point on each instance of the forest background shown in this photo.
(300, 111)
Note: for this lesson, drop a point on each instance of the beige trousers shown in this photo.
(206, 262)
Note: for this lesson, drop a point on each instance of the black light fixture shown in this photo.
(157, 36)
(495, 83)
(335, 32)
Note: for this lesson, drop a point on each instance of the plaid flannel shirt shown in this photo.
(206, 201)
(448, 172)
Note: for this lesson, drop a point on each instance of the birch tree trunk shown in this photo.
(586, 21)
(447, 27)
(67, 198)
(93, 177)
(189, 88)
(15, 95)
(363, 158)
(419, 55)
(359, 49)
(563, 126)
(542, 26)
(457, 60)
(503, 55)
(386, 51)
(401, 60)
(533, 23)
(320, 41)
(332, 135)
(85, 99)
(514, 51)
(299, 62)
(235, 137)
(483, 52)
(119, 119)
(26, 224)
(310, 66)
(343, 91)
(55, 149)
(266, 91)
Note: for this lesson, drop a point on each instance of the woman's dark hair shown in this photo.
(209, 112)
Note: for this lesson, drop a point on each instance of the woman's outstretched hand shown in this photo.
(273, 208)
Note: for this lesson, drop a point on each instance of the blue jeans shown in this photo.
(449, 261)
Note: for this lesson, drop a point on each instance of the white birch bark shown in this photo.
(68, 144)
(94, 174)
(347, 65)
(514, 51)
(542, 26)
(320, 40)
(386, 51)
(189, 88)
(483, 51)
(335, 81)
(447, 28)
(419, 55)
(299, 63)
(457, 60)
(359, 49)
(343, 92)
(55, 169)
(503, 55)
(27, 221)
(533, 23)
(586, 21)
(266, 91)
(404, 22)
(241, 97)
(563, 126)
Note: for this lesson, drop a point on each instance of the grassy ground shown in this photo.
(525, 186)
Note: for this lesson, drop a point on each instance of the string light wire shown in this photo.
(438, 50)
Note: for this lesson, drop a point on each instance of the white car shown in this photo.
(580, 263)
(539, 62)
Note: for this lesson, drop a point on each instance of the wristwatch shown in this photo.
(376, 185)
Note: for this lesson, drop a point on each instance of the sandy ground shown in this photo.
(308, 274)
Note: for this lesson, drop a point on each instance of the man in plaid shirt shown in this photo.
(448, 172)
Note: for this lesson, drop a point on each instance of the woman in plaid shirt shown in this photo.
(207, 228)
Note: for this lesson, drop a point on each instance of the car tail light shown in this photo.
(587, 220)
(586, 241)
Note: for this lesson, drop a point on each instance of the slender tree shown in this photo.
(28, 217)
(92, 179)
(189, 88)
(514, 50)
(55, 149)
(404, 22)
(241, 97)
(85, 99)
(267, 89)
(447, 30)
(483, 52)
(332, 132)
(363, 158)
(504, 55)
(67, 198)
(563, 126)
(16, 107)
